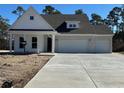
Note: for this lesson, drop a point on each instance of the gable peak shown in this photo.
(31, 8)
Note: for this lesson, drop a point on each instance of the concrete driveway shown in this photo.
(80, 71)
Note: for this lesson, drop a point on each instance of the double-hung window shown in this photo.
(21, 40)
(34, 42)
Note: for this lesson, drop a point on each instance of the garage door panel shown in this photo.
(72, 46)
(102, 46)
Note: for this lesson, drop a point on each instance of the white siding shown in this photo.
(41, 43)
(24, 21)
(28, 39)
(45, 43)
(16, 43)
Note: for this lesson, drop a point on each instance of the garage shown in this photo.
(83, 44)
(71, 45)
(103, 46)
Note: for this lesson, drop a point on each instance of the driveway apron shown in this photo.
(62, 71)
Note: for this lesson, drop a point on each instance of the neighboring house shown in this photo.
(58, 33)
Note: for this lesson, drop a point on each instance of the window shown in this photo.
(74, 25)
(34, 42)
(70, 25)
(31, 17)
(21, 40)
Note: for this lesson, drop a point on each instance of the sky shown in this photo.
(101, 9)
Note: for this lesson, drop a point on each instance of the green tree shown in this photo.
(96, 19)
(56, 12)
(18, 11)
(114, 18)
(79, 11)
(50, 10)
(3, 24)
(117, 20)
(122, 18)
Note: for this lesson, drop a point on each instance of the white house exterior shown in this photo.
(58, 33)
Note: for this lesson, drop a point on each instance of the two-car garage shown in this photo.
(83, 44)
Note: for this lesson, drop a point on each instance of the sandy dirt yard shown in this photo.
(20, 68)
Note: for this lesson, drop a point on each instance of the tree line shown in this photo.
(114, 20)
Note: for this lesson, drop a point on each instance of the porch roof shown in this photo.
(31, 29)
(32, 32)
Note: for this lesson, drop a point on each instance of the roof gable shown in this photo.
(24, 21)
(58, 22)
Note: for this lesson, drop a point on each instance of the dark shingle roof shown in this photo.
(102, 29)
(57, 21)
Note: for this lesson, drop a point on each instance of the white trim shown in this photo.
(56, 33)
(72, 21)
(111, 45)
(33, 32)
(53, 43)
(10, 43)
(84, 34)
(38, 46)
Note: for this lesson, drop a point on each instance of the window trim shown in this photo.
(34, 42)
(70, 25)
(21, 46)
(74, 26)
(31, 17)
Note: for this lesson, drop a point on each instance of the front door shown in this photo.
(49, 44)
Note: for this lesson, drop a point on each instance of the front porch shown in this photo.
(36, 42)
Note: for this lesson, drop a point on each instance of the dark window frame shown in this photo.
(34, 42)
(70, 25)
(31, 17)
(74, 25)
(21, 40)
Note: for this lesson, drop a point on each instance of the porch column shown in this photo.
(38, 46)
(10, 43)
(53, 43)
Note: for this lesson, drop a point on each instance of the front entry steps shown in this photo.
(46, 54)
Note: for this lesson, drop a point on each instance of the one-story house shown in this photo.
(34, 32)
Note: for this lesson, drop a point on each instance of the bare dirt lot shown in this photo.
(20, 68)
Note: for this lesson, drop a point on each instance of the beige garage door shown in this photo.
(103, 46)
(64, 45)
